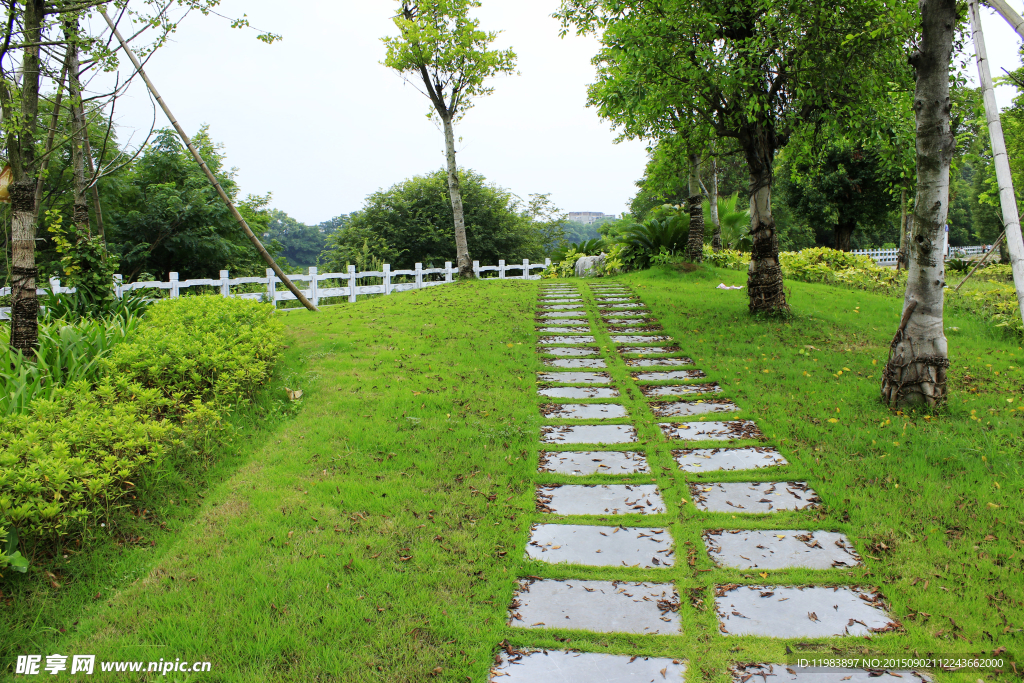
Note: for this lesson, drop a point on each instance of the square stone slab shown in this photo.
(681, 389)
(563, 330)
(622, 314)
(600, 499)
(614, 299)
(557, 666)
(561, 307)
(799, 612)
(649, 350)
(559, 299)
(599, 606)
(658, 362)
(575, 363)
(588, 434)
(600, 546)
(583, 411)
(569, 351)
(579, 339)
(753, 497)
(621, 306)
(635, 330)
(628, 321)
(773, 549)
(712, 459)
(593, 462)
(578, 392)
(711, 431)
(689, 408)
(791, 673)
(652, 339)
(663, 376)
(575, 377)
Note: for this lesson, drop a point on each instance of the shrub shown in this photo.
(997, 302)
(71, 457)
(68, 352)
(201, 347)
(648, 239)
(726, 258)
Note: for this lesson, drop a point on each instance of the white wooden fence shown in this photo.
(884, 257)
(316, 285)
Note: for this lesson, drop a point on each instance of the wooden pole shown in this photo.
(980, 263)
(1007, 200)
(206, 169)
(1008, 13)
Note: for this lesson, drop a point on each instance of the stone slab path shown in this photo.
(612, 332)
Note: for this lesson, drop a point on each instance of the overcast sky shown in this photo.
(317, 121)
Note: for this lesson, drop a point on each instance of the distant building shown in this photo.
(590, 217)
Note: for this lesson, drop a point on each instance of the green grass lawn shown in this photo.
(378, 534)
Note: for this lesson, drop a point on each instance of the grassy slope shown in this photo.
(378, 535)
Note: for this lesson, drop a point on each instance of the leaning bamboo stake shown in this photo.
(1008, 13)
(1007, 200)
(980, 263)
(206, 169)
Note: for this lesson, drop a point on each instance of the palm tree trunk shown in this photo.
(21, 152)
(918, 360)
(80, 211)
(764, 279)
(901, 258)
(461, 246)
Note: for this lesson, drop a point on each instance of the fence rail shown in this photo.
(889, 256)
(315, 291)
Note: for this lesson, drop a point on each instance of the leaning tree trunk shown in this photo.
(461, 246)
(695, 247)
(80, 211)
(844, 231)
(765, 291)
(918, 360)
(21, 153)
(716, 236)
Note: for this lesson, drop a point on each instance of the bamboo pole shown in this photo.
(206, 169)
(1008, 13)
(1007, 199)
(980, 263)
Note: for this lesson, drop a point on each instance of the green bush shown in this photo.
(68, 352)
(648, 239)
(726, 258)
(201, 347)
(995, 301)
(71, 457)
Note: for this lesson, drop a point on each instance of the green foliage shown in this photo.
(726, 258)
(958, 265)
(301, 244)
(84, 260)
(9, 554)
(565, 266)
(412, 222)
(201, 347)
(735, 223)
(994, 301)
(71, 457)
(68, 353)
(438, 40)
(652, 236)
(831, 266)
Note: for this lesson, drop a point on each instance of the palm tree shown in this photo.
(734, 224)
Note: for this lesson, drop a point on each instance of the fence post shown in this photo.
(225, 288)
(352, 284)
(55, 285)
(419, 276)
(526, 269)
(173, 277)
(447, 271)
(387, 278)
(271, 289)
(314, 286)
(476, 269)
(501, 269)
(118, 287)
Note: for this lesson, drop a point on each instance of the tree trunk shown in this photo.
(80, 212)
(461, 246)
(695, 247)
(843, 233)
(918, 360)
(716, 236)
(901, 258)
(24, 305)
(764, 279)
